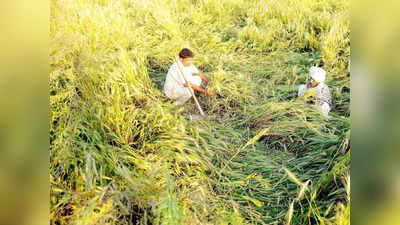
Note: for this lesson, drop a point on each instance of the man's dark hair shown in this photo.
(186, 53)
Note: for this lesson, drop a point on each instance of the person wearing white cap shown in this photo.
(317, 79)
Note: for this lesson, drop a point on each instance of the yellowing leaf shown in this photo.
(302, 190)
(292, 177)
(254, 201)
(289, 214)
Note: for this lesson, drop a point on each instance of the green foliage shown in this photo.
(121, 153)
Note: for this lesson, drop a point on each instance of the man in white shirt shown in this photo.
(317, 82)
(175, 86)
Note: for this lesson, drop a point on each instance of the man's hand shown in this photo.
(203, 77)
(209, 93)
(201, 90)
(187, 84)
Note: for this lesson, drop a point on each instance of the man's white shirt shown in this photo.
(174, 84)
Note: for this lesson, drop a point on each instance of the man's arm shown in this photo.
(202, 76)
(200, 90)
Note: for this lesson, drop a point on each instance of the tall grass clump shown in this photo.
(122, 153)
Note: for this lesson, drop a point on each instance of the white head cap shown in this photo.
(317, 74)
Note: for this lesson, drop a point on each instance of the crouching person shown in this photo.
(317, 79)
(175, 87)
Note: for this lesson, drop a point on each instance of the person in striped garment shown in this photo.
(317, 82)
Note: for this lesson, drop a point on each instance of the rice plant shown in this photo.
(122, 153)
